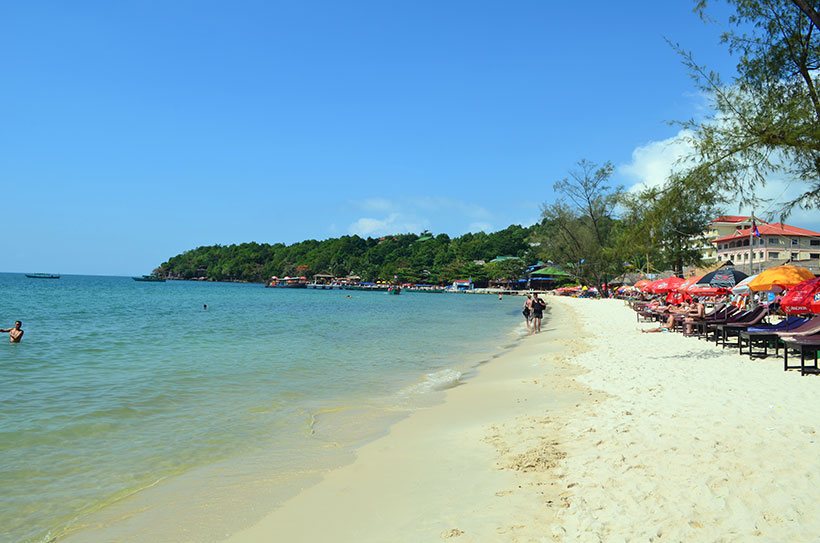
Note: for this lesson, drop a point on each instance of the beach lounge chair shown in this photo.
(719, 314)
(680, 320)
(733, 329)
(707, 327)
(808, 347)
(765, 335)
(809, 329)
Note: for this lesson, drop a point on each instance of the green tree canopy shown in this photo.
(410, 257)
(579, 230)
(767, 119)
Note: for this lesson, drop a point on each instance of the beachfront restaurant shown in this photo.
(462, 285)
(547, 278)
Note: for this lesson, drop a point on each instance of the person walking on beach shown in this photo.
(527, 311)
(16, 333)
(538, 307)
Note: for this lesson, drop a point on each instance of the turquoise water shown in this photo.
(119, 385)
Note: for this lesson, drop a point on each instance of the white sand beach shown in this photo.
(590, 431)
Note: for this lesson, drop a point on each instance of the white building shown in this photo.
(777, 244)
(725, 225)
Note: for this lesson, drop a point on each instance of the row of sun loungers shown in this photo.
(747, 331)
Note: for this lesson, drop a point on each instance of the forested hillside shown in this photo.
(421, 258)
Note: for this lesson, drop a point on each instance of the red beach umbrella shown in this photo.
(801, 297)
(662, 286)
(705, 290)
(689, 282)
(814, 306)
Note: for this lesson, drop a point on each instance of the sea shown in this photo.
(132, 412)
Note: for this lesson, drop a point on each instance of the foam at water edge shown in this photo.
(436, 381)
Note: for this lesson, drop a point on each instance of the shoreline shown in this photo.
(590, 431)
(212, 501)
(469, 467)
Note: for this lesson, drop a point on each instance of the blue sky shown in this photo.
(134, 131)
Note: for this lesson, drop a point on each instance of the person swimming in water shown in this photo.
(16, 333)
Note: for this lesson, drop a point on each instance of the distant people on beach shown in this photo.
(16, 333)
(538, 307)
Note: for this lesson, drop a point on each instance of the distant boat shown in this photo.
(42, 276)
(149, 278)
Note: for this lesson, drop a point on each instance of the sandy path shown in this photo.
(693, 443)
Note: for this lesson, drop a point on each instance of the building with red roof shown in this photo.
(724, 225)
(731, 219)
(773, 245)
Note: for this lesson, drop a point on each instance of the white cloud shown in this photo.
(652, 163)
(385, 216)
(394, 223)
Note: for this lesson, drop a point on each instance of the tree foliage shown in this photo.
(579, 230)
(767, 119)
(410, 257)
(663, 228)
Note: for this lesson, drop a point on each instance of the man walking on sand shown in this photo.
(16, 333)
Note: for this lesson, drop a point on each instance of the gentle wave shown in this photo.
(435, 382)
(118, 385)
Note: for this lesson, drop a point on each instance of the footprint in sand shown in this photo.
(453, 532)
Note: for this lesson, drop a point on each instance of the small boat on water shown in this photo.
(42, 276)
(149, 279)
(323, 281)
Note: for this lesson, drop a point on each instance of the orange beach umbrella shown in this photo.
(780, 277)
(642, 284)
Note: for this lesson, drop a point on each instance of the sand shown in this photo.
(589, 431)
